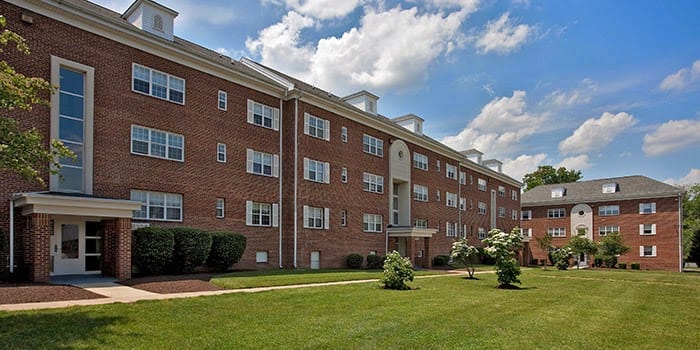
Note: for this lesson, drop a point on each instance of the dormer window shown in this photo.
(558, 192)
(610, 188)
(158, 23)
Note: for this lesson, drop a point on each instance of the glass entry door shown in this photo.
(68, 247)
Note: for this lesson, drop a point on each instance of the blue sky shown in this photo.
(608, 87)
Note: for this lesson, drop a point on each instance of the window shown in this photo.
(223, 100)
(157, 143)
(317, 127)
(420, 161)
(371, 223)
(647, 250)
(471, 179)
(72, 115)
(158, 205)
(260, 257)
(605, 230)
(450, 171)
(557, 231)
(373, 145)
(261, 214)
(526, 232)
(514, 214)
(157, 84)
(316, 218)
(438, 195)
(558, 192)
(462, 203)
(501, 191)
(262, 115)
(610, 188)
(451, 229)
(344, 175)
(482, 208)
(438, 166)
(501, 212)
(221, 152)
(420, 223)
(526, 215)
(647, 208)
(316, 171)
(373, 183)
(343, 217)
(647, 229)
(262, 163)
(556, 213)
(420, 193)
(481, 184)
(451, 199)
(481, 233)
(463, 231)
(609, 210)
(514, 195)
(462, 178)
(220, 207)
(344, 134)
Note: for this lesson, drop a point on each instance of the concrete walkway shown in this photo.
(117, 293)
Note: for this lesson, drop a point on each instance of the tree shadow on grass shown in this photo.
(470, 278)
(513, 287)
(64, 329)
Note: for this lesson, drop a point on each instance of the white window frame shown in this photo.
(526, 232)
(462, 178)
(261, 256)
(481, 233)
(420, 193)
(220, 208)
(606, 230)
(437, 165)
(168, 87)
(451, 199)
(343, 218)
(255, 213)
(266, 113)
(513, 214)
(481, 183)
(526, 215)
(450, 171)
(170, 143)
(344, 175)
(420, 161)
(312, 168)
(344, 134)
(462, 204)
(482, 208)
(643, 229)
(647, 208)
(372, 145)
(371, 223)
(501, 191)
(420, 223)
(609, 210)
(222, 101)
(451, 229)
(251, 156)
(501, 212)
(438, 195)
(642, 251)
(221, 152)
(557, 231)
(373, 183)
(317, 127)
(170, 201)
(556, 213)
(320, 217)
(514, 195)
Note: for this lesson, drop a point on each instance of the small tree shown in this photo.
(502, 247)
(610, 247)
(397, 270)
(561, 257)
(465, 253)
(545, 243)
(580, 245)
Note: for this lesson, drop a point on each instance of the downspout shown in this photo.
(296, 168)
(680, 232)
(12, 234)
(279, 173)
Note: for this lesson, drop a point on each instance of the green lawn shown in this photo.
(555, 309)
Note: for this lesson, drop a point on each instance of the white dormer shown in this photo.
(411, 122)
(151, 17)
(558, 192)
(610, 188)
(493, 164)
(473, 154)
(363, 100)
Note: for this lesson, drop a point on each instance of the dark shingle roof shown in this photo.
(628, 187)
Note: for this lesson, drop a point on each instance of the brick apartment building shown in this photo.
(170, 133)
(647, 214)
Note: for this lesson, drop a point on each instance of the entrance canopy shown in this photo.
(77, 204)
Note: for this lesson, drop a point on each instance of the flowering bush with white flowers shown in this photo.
(465, 253)
(397, 270)
(502, 246)
(561, 257)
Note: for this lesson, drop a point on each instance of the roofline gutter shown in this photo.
(598, 200)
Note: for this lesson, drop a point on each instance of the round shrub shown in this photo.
(375, 262)
(354, 261)
(226, 249)
(441, 260)
(397, 270)
(622, 266)
(152, 249)
(635, 266)
(191, 249)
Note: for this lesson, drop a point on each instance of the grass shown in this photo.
(554, 309)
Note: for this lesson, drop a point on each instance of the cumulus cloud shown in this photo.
(502, 36)
(323, 9)
(594, 134)
(582, 94)
(682, 78)
(672, 136)
(372, 56)
(523, 164)
(580, 162)
(692, 178)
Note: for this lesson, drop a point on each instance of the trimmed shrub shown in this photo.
(375, 262)
(354, 261)
(610, 261)
(441, 260)
(226, 249)
(622, 266)
(635, 266)
(152, 249)
(598, 262)
(191, 249)
(397, 270)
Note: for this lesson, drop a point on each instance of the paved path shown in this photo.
(117, 293)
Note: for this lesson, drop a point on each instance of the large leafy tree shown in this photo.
(580, 245)
(691, 223)
(547, 175)
(610, 247)
(23, 151)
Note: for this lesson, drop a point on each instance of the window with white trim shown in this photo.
(316, 171)
(526, 215)
(260, 257)
(471, 179)
(263, 115)
(647, 208)
(158, 206)
(557, 231)
(223, 100)
(526, 232)
(450, 171)
(438, 195)
(451, 199)
(261, 214)
(451, 229)
(221, 152)
(261, 163)
(343, 217)
(420, 193)
(647, 250)
(513, 214)
(373, 183)
(420, 223)
(501, 191)
(344, 175)
(462, 178)
(157, 143)
(437, 165)
(317, 127)
(556, 213)
(501, 212)
(463, 231)
(420, 161)
(344, 134)
(481, 184)
(558, 192)
(608, 210)
(606, 230)
(482, 208)
(462, 203)
(481, 233)
(647, 229)
(514, 195)
(157, 84)
(316, 218)
(371, 222)
(220, 208)
(372, 145)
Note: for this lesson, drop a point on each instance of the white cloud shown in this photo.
(671, 136)
(502, 36)
(580, 162)
(373, 56)
(523, 164)
(682, 78)
(579, 95)
(466, 5)
(594, 134)
(692, 178)
(323, 9)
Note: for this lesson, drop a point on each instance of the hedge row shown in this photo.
(374, 261)
(156, 250)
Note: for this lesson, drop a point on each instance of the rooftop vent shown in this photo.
(363, 100)
(473, 154)
(411, 122)
(493, 164)
(558, 192)
(151, 17)
(610, 188)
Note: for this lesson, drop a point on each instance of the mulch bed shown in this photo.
(19, 293)
(167, 284)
